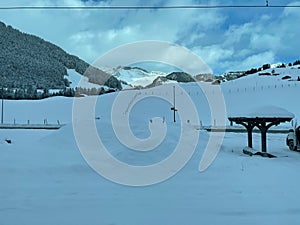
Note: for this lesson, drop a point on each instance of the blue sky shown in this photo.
(226, 39)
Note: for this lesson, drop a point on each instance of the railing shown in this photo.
(28, 125)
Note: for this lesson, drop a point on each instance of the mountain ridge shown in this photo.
(27, 61)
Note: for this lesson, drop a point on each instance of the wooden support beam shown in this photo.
(249, 130)
(264, 138)
(263, 123)
(264, 127)
(249, 126)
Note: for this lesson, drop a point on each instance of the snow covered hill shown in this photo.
(258, 90)
(45, 179)
(77, 80)
(139, 77)
(29, 62)
(136, 76)
(270, 76)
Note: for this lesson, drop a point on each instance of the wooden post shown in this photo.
(249, 126)
(263, 130)
(264, 141)
(250, 129)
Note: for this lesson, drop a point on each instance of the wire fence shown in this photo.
(225, 90)
(257, 88)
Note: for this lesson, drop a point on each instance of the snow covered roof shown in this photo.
(263, 112)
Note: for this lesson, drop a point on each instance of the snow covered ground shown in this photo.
(45, 180)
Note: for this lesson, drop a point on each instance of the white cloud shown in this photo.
(225, 39)
(256, 59)
(213, 54)
(266, 39)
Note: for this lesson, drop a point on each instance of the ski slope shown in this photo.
(137, 76)
(45, 180)
(74, 78)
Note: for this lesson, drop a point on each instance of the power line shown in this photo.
(142, 7)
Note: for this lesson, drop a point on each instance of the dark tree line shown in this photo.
(33, 93)
(297, 62)
(79, 91)
(268, 66)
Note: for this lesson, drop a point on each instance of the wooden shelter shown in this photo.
(263, 118)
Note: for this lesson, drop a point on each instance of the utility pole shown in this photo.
(174, 104)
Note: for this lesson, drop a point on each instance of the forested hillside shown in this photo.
(27, 63)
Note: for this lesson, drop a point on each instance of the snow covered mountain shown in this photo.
(136, 76)
(140, 78)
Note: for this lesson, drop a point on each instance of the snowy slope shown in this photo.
(136, 76)
(45, 180)
(255, 91)
(77, 80)
(256, 79)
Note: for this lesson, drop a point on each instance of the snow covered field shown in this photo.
(45, 180)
